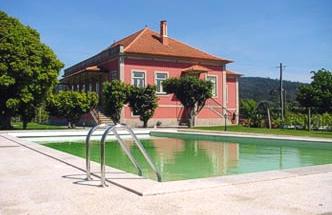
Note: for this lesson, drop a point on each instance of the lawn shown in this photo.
(276, 131)
(36, 126)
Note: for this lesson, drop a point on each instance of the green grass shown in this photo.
(36, 126)
(276, 131)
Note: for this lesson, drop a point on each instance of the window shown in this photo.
(213, 80)
(78, 87)
(159, 78)
(83, 88)
(72, 87)
(114, 75)
(138, 79)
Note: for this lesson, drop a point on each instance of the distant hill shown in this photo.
(259, 89)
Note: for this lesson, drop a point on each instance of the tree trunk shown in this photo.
(269, 118)
(145, 124)
(71, 124)
(191, 118)
(190, 122)
(5, 121)
(309, 119)
(25, 124)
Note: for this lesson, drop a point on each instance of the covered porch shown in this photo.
(89, 79)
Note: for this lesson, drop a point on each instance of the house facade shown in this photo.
(148, 57)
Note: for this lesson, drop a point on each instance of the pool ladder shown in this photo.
(114, 128)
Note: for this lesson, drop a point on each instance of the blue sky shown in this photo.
(256, 34)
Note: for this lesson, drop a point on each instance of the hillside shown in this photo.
(259, 89)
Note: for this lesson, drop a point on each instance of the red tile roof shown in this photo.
(228, 72)
(86, 69)
(196, 68)
(148, 42)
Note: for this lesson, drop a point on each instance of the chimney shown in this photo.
(163, 32)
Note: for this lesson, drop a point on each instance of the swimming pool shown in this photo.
(180, 157)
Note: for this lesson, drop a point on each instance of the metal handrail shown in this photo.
(87, 150)
(145, 154)
(220, 105)
(95, 115)
(124, 148)
(136, 141)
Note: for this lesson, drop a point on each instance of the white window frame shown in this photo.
(155, 81)
(216, 84)
(141, 71)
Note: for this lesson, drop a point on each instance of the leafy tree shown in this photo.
(307, 98)
(143, 102)
(318, 95)
(322, 89)
(192, 93)
(71, 105)
(248, 110)
(28, 70)
(116, 96)
(327, 120)
(295, 119)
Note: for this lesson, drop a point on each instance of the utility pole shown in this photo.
(282, 106)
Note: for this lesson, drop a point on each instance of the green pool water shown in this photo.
(191, 157)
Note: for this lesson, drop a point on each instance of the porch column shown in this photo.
(121, 77)
(121, 64)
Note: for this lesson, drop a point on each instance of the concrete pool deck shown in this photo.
(39, 180)
(82, 132)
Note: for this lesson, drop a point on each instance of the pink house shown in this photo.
(147, 57)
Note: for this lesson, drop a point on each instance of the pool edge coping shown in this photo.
(249, 135)
(148, 187)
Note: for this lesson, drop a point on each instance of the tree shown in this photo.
(116, 96)
(307, 98)
(317, 96)
(143, 102)
(322, 89)
(28, 71)
(248, 110)
(192, 93)
(71, 105)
